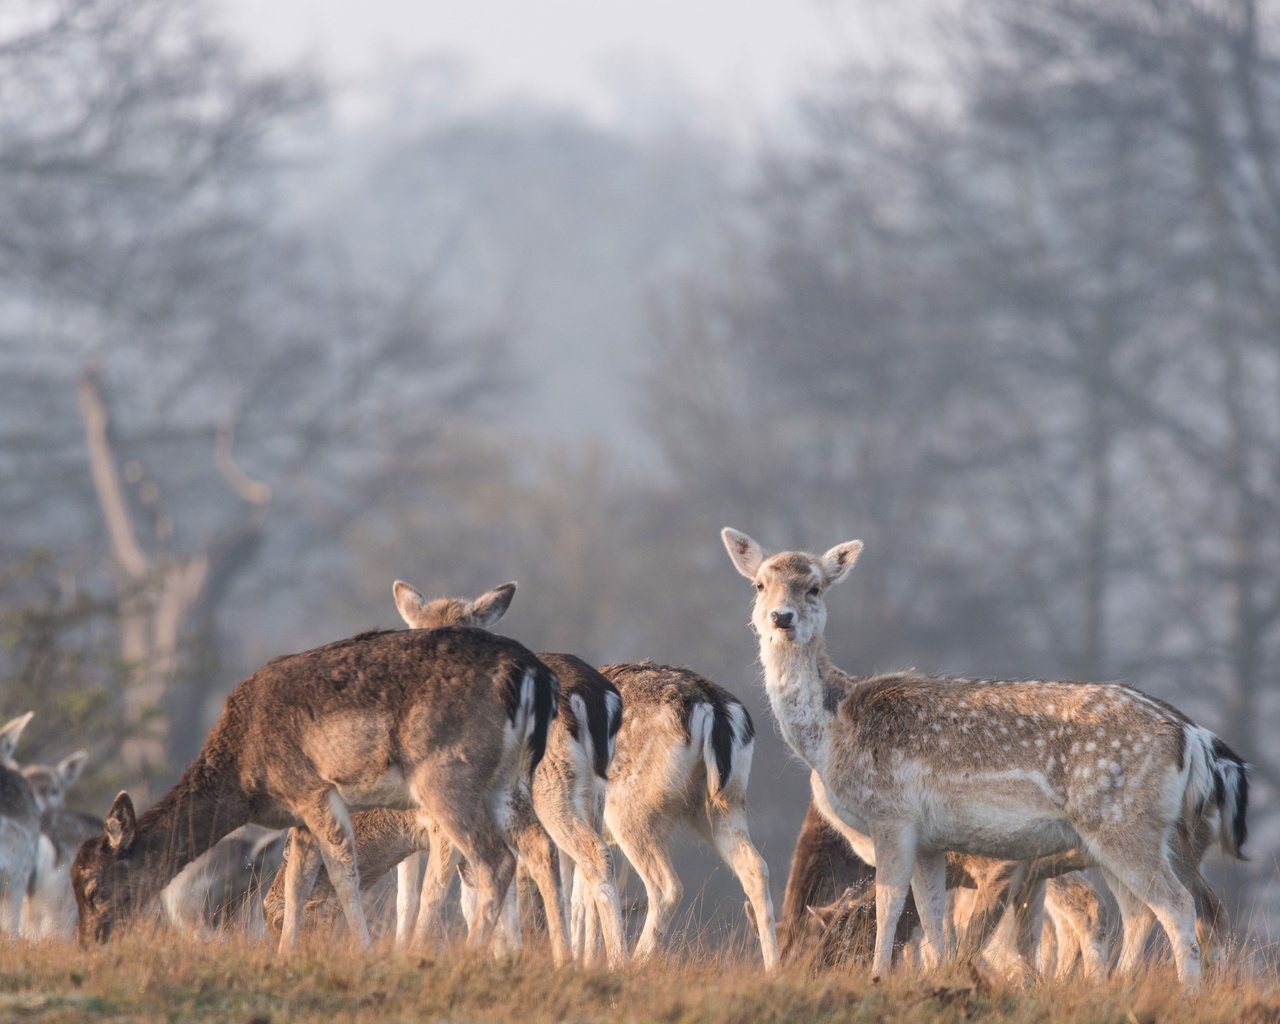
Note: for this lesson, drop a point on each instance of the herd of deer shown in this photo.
(981, 809)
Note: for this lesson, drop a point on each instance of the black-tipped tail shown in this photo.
(1231, 792)
(546, 692)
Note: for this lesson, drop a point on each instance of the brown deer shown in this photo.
(19, 829)
(566, 795)
(682, 758)
(443, 722)
(920, 765)
(569, 791)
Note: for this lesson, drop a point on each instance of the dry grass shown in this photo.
(167, 977)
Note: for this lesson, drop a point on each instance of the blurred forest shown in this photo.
(1009, 312)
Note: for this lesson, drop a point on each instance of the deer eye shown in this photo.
(813, 591)
(759, 586)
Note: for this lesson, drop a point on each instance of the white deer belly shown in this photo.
(1010, 816)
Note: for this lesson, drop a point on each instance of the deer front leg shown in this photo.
(895, 850)
(301, 862)
(733, 842)
(408, 896)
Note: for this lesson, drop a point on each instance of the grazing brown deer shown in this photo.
(566, 795)
(19, 829)
(1012, 770)
(438, 721)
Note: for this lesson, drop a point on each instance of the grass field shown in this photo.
(168, 977)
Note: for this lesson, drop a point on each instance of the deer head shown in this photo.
(103, 873)
(790, 587)
(482, 613)
(50, 784)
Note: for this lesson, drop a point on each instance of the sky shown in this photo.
(729, 69)
(743, 60)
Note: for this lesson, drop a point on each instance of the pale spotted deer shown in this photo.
(19, 829)
(567, 790)
(220, 890)
(439, 721)
(683, 762)
(1014, 770)
(50, 908)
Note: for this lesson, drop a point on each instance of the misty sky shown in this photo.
(743, 61)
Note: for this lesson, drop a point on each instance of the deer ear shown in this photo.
(745, 553)
(120, 825)
(10, 733)
(490, 606)
(837, 562)
(409, 603)
(71, 766)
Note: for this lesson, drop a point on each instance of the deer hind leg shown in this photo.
(895, 851)
(593, 885)
(733, 842)
(329, 823)
(442, 861)
(573, 910)
(1156, 885)
(929, 886)
(539, 856)
(507, 937)
(645, 839)
(1212, 921)
(1211, 916)
(588, 921)
(492, 867)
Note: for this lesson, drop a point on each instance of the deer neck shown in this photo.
(204, 805)
(803, 690)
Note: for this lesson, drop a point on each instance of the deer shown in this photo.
(682, 758)
(50, 907)
(19, 829)
(828, 907)
(566, 793)
(444, 722)
(920, 765)
(219, 889)
(683, 762)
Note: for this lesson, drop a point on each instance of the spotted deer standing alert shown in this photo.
(924, 764)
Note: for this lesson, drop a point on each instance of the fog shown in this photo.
(1001, 298)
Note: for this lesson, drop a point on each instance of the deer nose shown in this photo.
(782, 620)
